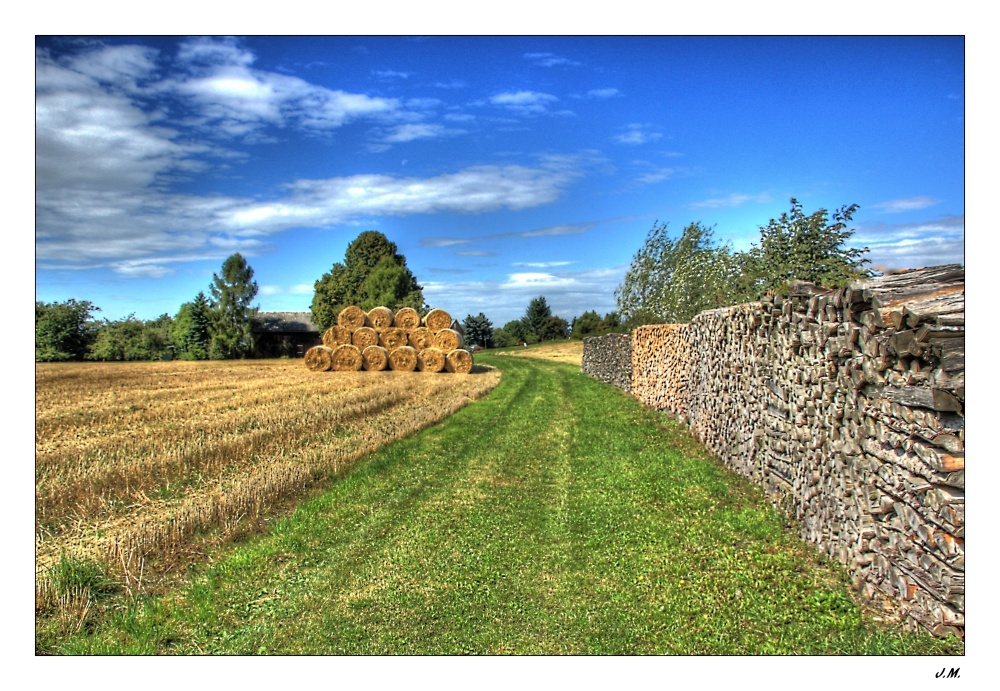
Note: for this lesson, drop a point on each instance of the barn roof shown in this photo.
(285, 322)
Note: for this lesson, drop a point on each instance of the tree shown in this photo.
(131, 339)
(553, 329)
(612, 321)
(373, 274)
(232, 295)
(670, 281)
(190, 330)
(64, 330)
(518, 332)
(587, 324)
(805, 248)
(536, 316)
(478, 330)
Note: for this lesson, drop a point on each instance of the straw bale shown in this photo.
(364, 337)
(447, 340)
(406, 319)
(459, 361)
(352, 316)
(430, 360)
(374, 358)
(392, 338)
(336, 335)
(403, 359)
(379, 318)
(421, 338)
(436, 319)
(346, 358)
(319, 358)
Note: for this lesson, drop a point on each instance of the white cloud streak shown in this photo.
(908, 204)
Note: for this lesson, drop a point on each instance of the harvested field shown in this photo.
(134, 459)
(562, 351)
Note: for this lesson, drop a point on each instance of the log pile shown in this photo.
(847, 405)
(381, 340)
(609, 358)
(659, 367)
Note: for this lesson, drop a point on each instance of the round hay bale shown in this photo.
(319, 358)
(374, 358)
(392, 338)
(448, 340)
(430, 360)
(379, 318)
(346, 358)
(458, 361)
(364, 337)
(406, 319)
(421, 338)
(353, 317)
(336, 335)
(436, 319)
(403, 359)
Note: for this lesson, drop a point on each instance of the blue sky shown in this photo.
(504, 168)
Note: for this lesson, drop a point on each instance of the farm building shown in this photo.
(288, 334)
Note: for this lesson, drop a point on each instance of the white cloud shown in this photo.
(524, 101)
(913, 245)
(908, 204)
(413, 131)
(637, 134)
(733, 200)
(603, 93)
(549, 60)
(541, 265)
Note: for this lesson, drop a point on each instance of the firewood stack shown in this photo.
(659, 367)
(378, 340)
(847, 405)
(609, 358)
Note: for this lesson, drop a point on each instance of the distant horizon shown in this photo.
(504, 167)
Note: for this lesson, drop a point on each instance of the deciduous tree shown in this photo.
(64, 330)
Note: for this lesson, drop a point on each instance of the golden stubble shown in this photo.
(133, 460)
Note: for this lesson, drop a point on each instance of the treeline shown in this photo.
(218, 326)
(671, 280)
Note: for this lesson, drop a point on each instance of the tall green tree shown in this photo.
(536, 316)
(191, 329)
(478, 330)
(131, 339)
(671, 280)
(796, 246)
(64, 330)
(232, 294)
(372, 274)
(587, 324)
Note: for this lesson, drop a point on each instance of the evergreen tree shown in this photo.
(190, 330)
(232, 295)
(478, 330)
(536, 317)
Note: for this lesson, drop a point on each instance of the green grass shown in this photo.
(554, 516)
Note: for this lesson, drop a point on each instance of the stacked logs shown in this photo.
(382, 340)
(847, 405)
(609, 358)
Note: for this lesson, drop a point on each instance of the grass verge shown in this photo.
(554, 516)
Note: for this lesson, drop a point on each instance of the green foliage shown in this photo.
(75, 574)
(517, 331)
(536, 317)
(64, 330)
(804, 248)
(232, 294)
(591, 324)
(502, 339)
(478, 330)
(672, 280)
(554, 328)
(373, 274)
(190, 331)
(132, 339)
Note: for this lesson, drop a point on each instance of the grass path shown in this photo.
(554, 516)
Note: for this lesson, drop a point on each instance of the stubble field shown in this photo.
(135, 460)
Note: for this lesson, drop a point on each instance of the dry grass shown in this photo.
(133, 460)
(562, 351)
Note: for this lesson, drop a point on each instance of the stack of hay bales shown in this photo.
(380, 339)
